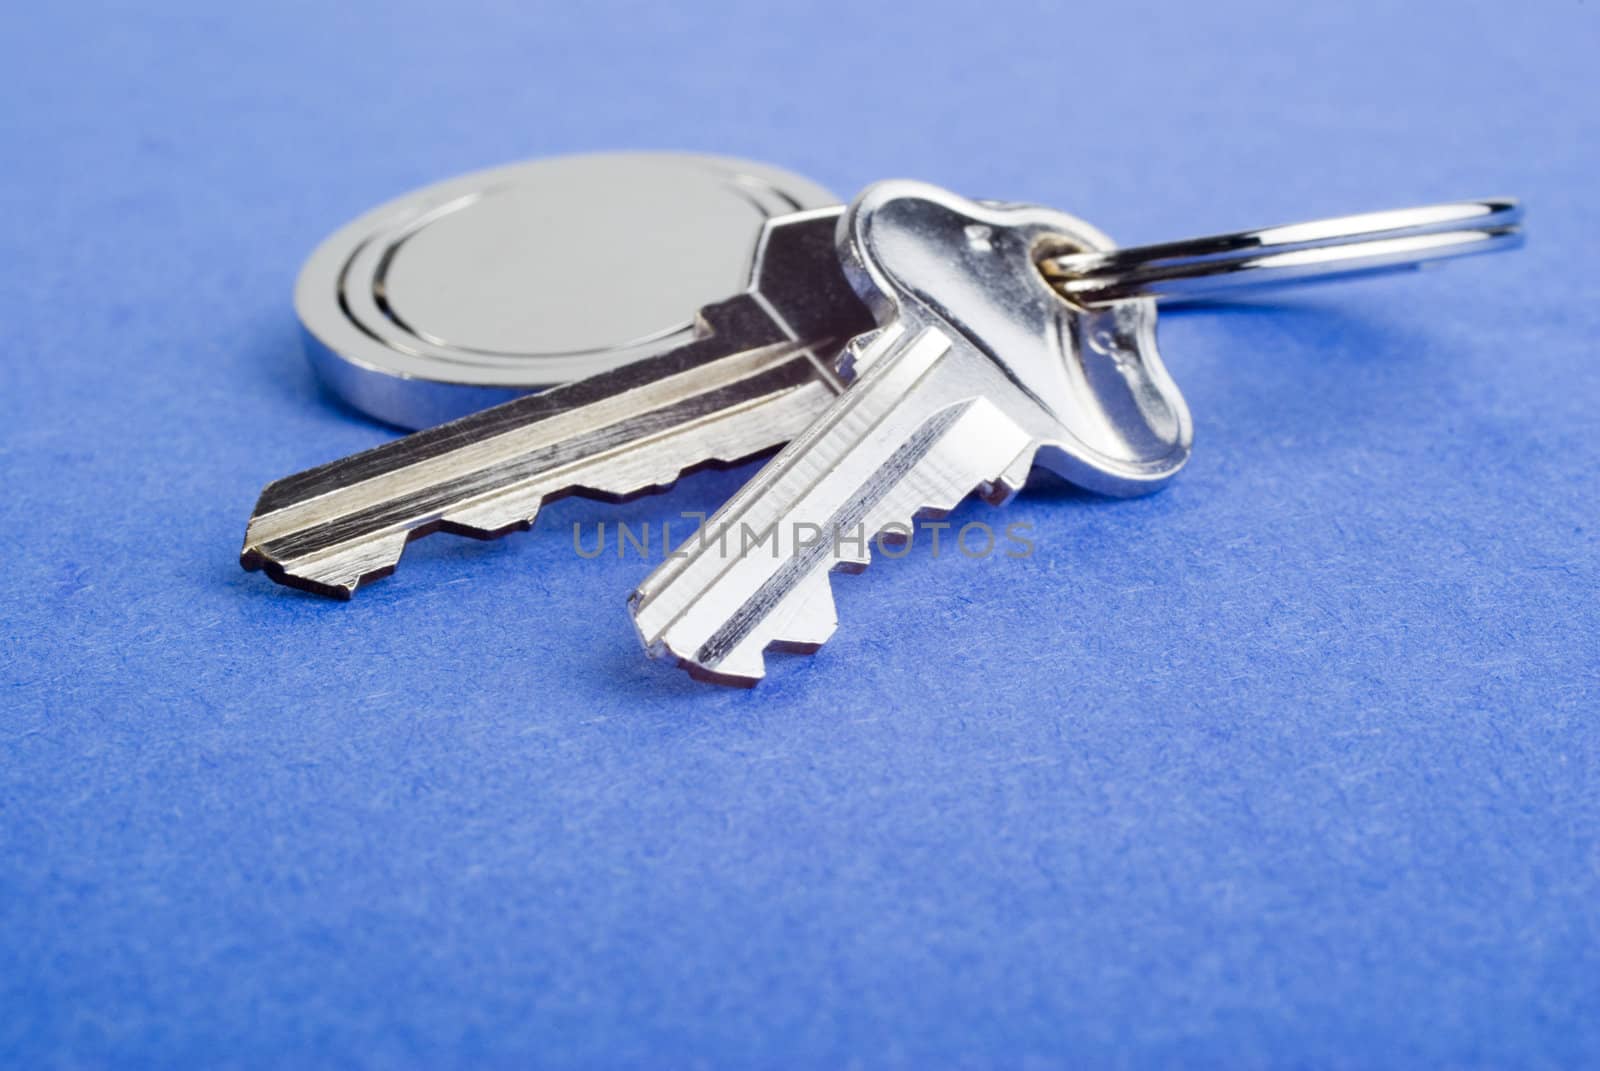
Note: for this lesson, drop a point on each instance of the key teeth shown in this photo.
(1001, 490)
(809, 623)
(789, 640)
(809, 620)
(253, 560)
(660, 650)
(853, 563)
(335, 576)
(726, 680)
(745, 672)
(487, 521)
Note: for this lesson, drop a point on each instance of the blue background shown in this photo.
(1293, 763)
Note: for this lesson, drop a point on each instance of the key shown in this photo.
(758, 373)
(977, 372)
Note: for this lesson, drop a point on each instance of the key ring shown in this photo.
(1329, 249)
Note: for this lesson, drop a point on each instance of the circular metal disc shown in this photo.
(467, 293)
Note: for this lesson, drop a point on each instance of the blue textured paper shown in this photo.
(1295, 763)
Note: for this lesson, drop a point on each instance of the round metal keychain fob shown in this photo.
(469, 292)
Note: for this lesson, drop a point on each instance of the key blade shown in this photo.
(917, 434)
(610, 437)
(757, 376)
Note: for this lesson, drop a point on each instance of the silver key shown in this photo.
(978, 372)
(755, 377)
(758, 374)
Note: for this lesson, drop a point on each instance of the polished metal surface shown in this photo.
(1327, 249)
(472, 291)
(977, 372)
(754, 376)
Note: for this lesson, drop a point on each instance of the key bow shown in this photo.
(1123, 427)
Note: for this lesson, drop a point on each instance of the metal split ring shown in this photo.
(1338, 248)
